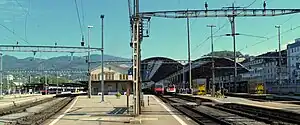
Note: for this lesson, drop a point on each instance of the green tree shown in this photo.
(227, 54)
(50, 80)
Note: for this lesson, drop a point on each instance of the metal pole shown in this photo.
(46, 92)
(1, 75)
(138, 89)
(212, 59)
(102, 64)
(136, 58)
(232, 21)
(189, 54)
(8, 87)
(57, 82)
(280, 58)
(89, 65)
(183, 79)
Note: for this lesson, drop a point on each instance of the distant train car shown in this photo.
(199, 86)
(256, 87)
(171, 89)
(157, 88)
(54, 89)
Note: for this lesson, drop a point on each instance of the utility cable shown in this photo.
(219, 29)
(78, 17)
(14, 33)
(272, 37)
(21, 6)
(82, 12)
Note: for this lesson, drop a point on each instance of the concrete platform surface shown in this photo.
(85, 111)
(237, 100)
(19, 96)
(8, 102)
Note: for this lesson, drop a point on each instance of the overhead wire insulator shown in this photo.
(82, 40)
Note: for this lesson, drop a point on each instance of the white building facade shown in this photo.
(115, 79)
(293, 62)
(265, 69)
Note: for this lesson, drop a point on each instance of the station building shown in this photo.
(293, 64)
(264, 69)
(116, 79)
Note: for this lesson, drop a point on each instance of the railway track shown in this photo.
(277, 116)
(195, 115)
(35, 114)
(208, 115)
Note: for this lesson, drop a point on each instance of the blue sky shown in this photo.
(52, 21)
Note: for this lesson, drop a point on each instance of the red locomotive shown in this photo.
(157, 88)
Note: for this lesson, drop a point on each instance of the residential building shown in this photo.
(294, 61)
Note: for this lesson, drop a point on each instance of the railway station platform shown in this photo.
(18, 96)
(83, 110)
(11, 100)
(243, 101)
(266, 96)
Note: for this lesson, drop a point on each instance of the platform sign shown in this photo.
(129, 74)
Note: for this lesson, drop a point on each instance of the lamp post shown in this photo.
(1, 75)
(102, 67)
(189, 54)
(279, 62)
(89, 65)
(212, 59)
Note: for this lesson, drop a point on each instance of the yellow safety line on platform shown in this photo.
(172, 113)
(62, 115)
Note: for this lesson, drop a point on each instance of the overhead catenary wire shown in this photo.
(26, 11)
(274, 36)
(82, 13)
(78, 17)
(220, 28)
(271, 37)
(5, 27)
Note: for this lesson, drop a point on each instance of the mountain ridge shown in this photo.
(56, 63)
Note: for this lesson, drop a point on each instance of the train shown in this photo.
(170, 89)
(157, 88)
(54, 89)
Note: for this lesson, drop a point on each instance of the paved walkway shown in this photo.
(85, 111)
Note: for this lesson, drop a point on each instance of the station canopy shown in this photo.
(201, 68)
(157, 68)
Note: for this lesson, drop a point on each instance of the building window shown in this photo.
(112, 76)
(120, 76)
(93, 77)
(106, 76)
